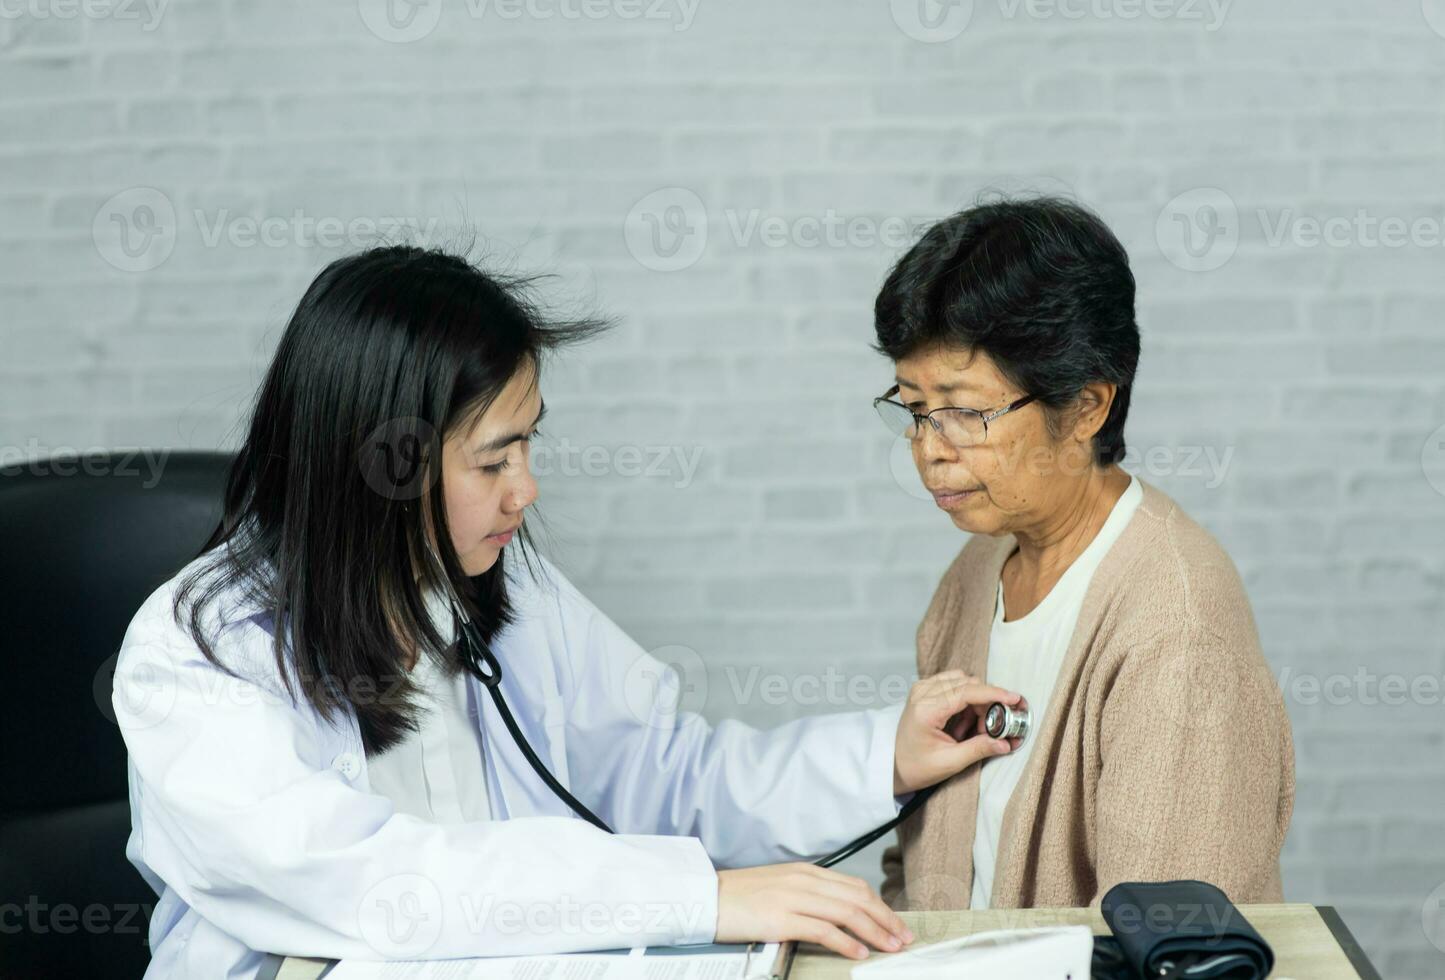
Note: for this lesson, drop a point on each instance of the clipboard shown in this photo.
(782, 964)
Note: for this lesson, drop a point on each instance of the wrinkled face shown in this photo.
(486, 480)
(1017, 477)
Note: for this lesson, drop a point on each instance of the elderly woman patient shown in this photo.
(1159, 746)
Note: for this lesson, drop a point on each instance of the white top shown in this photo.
(1025, 656)
(437, 773)
(255, 822)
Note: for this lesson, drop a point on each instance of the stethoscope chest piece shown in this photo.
(1003, 721)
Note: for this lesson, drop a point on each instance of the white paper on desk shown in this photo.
(1050, 953)
(700, 962)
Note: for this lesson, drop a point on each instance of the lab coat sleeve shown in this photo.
(274, 846)
(793, 792)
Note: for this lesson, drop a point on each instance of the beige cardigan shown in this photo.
(1164, 753)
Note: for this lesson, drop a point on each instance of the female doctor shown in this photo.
(317, 763)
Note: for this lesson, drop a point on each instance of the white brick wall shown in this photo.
(1313, 374)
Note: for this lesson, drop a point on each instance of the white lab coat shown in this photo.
(253, 821)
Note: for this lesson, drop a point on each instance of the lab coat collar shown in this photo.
(510, 779)
(529, 686)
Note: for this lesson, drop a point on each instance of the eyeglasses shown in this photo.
(961, 427)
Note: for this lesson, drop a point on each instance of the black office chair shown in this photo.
(83, 541)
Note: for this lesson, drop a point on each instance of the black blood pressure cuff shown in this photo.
(1183, 929)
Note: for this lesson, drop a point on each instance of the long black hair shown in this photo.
(336, 489)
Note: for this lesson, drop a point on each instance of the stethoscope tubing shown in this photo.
(488, 670)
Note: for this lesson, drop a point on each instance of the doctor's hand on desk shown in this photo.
(778, 902)
(940, 733)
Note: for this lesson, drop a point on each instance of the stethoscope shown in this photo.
(485, 667)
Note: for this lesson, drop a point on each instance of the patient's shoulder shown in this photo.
(1171, 569)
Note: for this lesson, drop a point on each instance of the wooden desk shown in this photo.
(1305, 946)
(1309, 943)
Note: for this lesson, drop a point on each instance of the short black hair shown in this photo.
(1039, 284)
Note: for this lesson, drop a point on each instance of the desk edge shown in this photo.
(1347, 942)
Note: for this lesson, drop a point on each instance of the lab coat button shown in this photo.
(347, 764)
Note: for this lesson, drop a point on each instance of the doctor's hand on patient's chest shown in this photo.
(941, 732)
